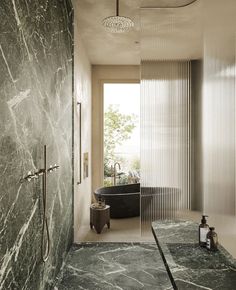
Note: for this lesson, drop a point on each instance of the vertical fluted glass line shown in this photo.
(165, 139)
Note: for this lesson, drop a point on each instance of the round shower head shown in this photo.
(117, 24)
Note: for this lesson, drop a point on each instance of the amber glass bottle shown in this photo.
(212, 240)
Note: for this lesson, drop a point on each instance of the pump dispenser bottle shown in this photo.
(203, 230)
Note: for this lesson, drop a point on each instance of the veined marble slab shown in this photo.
(110, 266)
(190, 266)
(35, 110)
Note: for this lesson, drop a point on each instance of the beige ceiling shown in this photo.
(157, 34)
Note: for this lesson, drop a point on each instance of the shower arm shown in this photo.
(169, 7)
(117, 7)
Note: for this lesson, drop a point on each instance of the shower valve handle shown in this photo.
(28, 177)
(39, 173)
(53, 168)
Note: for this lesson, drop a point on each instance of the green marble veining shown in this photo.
(110, 266)
(189, 265)
(36, 49)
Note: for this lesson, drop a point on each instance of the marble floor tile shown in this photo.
(109, 266)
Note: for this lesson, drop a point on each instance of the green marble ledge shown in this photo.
(189, 266)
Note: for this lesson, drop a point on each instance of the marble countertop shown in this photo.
(189, 266)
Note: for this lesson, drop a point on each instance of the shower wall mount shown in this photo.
(35, 175)
(45, 247)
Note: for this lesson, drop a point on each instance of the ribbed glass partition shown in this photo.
(218, 111)
(165, 139)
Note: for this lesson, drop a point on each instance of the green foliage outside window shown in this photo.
(118, 128)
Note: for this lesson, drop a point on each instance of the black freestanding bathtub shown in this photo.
(124, 200)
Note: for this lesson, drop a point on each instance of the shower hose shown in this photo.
(45, 245)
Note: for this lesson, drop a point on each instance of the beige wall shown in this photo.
(82, 93)
(100, 75)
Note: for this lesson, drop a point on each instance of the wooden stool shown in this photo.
(99, 217)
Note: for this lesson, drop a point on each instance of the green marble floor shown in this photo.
(112, 266)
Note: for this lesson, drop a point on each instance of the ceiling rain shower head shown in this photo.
(117, 24)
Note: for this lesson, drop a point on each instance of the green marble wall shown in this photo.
(35, 109)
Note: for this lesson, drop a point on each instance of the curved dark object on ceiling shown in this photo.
(171, 7)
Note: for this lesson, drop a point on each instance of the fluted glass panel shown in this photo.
(219, 115)
(218, 119)
(165, 131)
